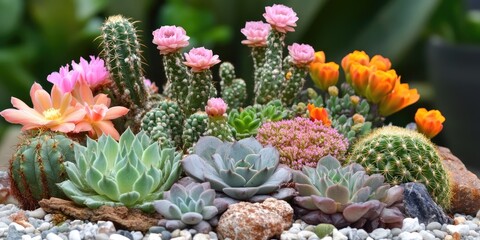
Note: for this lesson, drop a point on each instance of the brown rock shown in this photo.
(260, 221)
(465, 184)
(122, 217)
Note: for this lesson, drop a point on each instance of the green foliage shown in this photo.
(132, 172)
(38, 165)
(402, 156)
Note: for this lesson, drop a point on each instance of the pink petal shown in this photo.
(42, 101)
(35, 87)
(75, 116)
(102, 99)
(65, 102)
(115, 112)
(63, 127)
(19, 104)
(83, 127)
(22, 117)
(56, 97)
(107, 128)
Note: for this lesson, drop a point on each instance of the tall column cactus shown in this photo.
(234, 90)
(217, 120)
(200, 60)
(122, 54)
(170, 40)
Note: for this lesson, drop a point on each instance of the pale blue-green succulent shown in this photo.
(132, 172)
(242, 170)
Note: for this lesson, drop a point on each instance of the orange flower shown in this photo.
(319, 114)
(430, 123)
(401, 97)
(56, 112)
(97, 121)
(324, 75)
(356, 56)
(359, 75)
(380, 83)
(319, 57)
(381, 63)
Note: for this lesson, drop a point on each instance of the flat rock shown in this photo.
(122, 217)
(260, 221)
(419, 204)
(465, 184)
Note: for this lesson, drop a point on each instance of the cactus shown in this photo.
(403, 155)
(164, 124)
(37, 166)
(122, 54)
(234, 90)
(217, 120)
(177, 77)
(193, 128)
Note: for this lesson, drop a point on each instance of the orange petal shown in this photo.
(115, 112)
(42, 101)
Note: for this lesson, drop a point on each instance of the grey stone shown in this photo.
(426, 235)
(396, 231)
(439, 234)
(156, 229)
(418, 203)
(125, 233)
(14, 234)
(380, 233)
(434, 225)
(166, 235)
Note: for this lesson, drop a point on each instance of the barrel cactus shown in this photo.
(38, 165)
(191, 205)
(132, 172)
(403, 155)
(241, 170)
(346, 196)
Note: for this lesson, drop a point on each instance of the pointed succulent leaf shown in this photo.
(231, 178)
(253, 144)
(94, 203)
(109, 188)
(91, 145)
(130, 198)
(101, 163)
(74, 174)
(206, 147)
(258, 179)
(224, 150)
(93, 178)
(269, 157)
(218, 162)
(82, 164)
(191, 218)
(111, 150)
(240, 151)
(172, 176)
(374, 181)
(194, 166)
(338, 193)
(267, 189)
(156, 175)
(126, 177)
(329, 162)
(208, 196)
(325, 204)
(137, 148)
(209, 212)
(126, 139)
(242, 193)
(143, 185)
(198, 206)
(167, 209)
(361, 195)
(195, 191)
(355, 211)
(70, 189)
(151, 155)
(246, 173)
(306, 189)
(299, 177)
(281, 175)
(252, 160)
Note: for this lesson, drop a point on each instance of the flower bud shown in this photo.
(355, 100)
(357, 118)
(333, 91)
(380, 83)
(359, 75)
(430, 123)
(381, 63)
(215, 107)
(401, 97)
(319, 114)
(324, 75)
(356, 56)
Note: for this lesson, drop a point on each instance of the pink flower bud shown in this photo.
(216, 107)
(200, 59)
(256, 33)
(170, 39)
(64, 79)
(302, 54)
(94, 73)
(281, 17)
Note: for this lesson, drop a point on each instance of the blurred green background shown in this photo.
(39, 36)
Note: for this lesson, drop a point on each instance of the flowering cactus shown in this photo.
(302, 142)
(282, 18)
(217, 120)
(430, 123)
(256, 33)
(65, 79)
(399, 98)
(170, 39)
(380, 84)
(93, 73)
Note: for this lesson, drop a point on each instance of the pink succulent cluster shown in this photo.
(256, 33)
(302, 54)
(302, 142)
(200, 59)
(71, 106)
(216, 107)
(170, 39)
(93, 73)
(281, 17)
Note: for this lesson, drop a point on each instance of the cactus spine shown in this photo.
(37, 166)
(403, 155)
(194, 127)
(122, 54)
(199, 92)
(293, 84)
(234, 90)
(177, 77)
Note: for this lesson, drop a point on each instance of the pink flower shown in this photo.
(200, 59)
(55, 112)
(256, 33)
(94, 73)
(170, 39)
(65, 79)
(98, 116)
(302, 54)
(216, 107)
(151, 86)
(281, 17)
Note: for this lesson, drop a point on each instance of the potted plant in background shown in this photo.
(453, 58)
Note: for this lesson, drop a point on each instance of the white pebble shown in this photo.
(17, 226)
(411, 225)
(154, 236)
(380, 233)
(201, 236)
(186, 234)
(410, 236)
(473, 233)
(53, 236)
(37, 213)
(26, 237)
(29, 229)
(137, 235)
(462, 229)
(178, 238)
(39, 237)
(3, 226)
(48, 217)
(289, 236)
(294, 230)
(176, 233)
(305, 234)
(74, 235)
(327, 238)
(44, 226)
(338, 235)
(434, 225)
(426, 235)
(116, 236)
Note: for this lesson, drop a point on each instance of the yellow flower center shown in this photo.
(52, 114)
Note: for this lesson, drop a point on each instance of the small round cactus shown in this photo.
(403, 155)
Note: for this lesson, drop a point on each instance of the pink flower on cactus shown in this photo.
(94, 73)
(200, 59)
(256, 33)
(65, 79)
(281, 17)
(151, 86)
(302, 54)
(55, 112)
(99, 114)
(216, 107)
(170, 39)
(302, 142)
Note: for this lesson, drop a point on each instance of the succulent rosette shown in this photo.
(132, 172)
(346, 196)
(241, 169)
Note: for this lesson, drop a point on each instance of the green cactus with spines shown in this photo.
(258, 56)
(293, 84)
(218, 127)
(194, 127)
(177, 77)
(403, 155)
(164, 123)
(234, 90)
(122, 54)
(201, 89)
(272, 75)
(37, 166)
